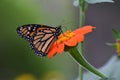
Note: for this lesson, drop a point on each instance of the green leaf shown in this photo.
(116, 33)
(83, 62)
(98, 1)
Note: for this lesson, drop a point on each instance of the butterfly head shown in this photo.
(58, 30)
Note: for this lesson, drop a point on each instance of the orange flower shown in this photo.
(69, 39)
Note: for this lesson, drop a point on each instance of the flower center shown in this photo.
(65, 36)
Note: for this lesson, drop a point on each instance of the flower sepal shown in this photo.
(68, 48)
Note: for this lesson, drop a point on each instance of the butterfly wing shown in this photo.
(42, 41)
(41, 37)
(27, 31)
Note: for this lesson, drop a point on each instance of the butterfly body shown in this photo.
(41, 37)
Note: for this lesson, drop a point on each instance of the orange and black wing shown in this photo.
(42, 41)
(27, 31)
(41, 37)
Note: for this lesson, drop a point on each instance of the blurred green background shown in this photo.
(17, 58)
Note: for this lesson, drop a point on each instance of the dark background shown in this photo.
(104, 16)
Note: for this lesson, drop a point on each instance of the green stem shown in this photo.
(81, 72)
(81, 18)
(82, 10)
(80, 68)
(83, 62)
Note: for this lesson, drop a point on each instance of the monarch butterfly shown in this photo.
(40, 37)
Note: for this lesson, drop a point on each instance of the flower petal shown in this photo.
(84, 30)
(60, 48)
(54, 49)
(52, 52)
(79, 38)
(71, 42)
